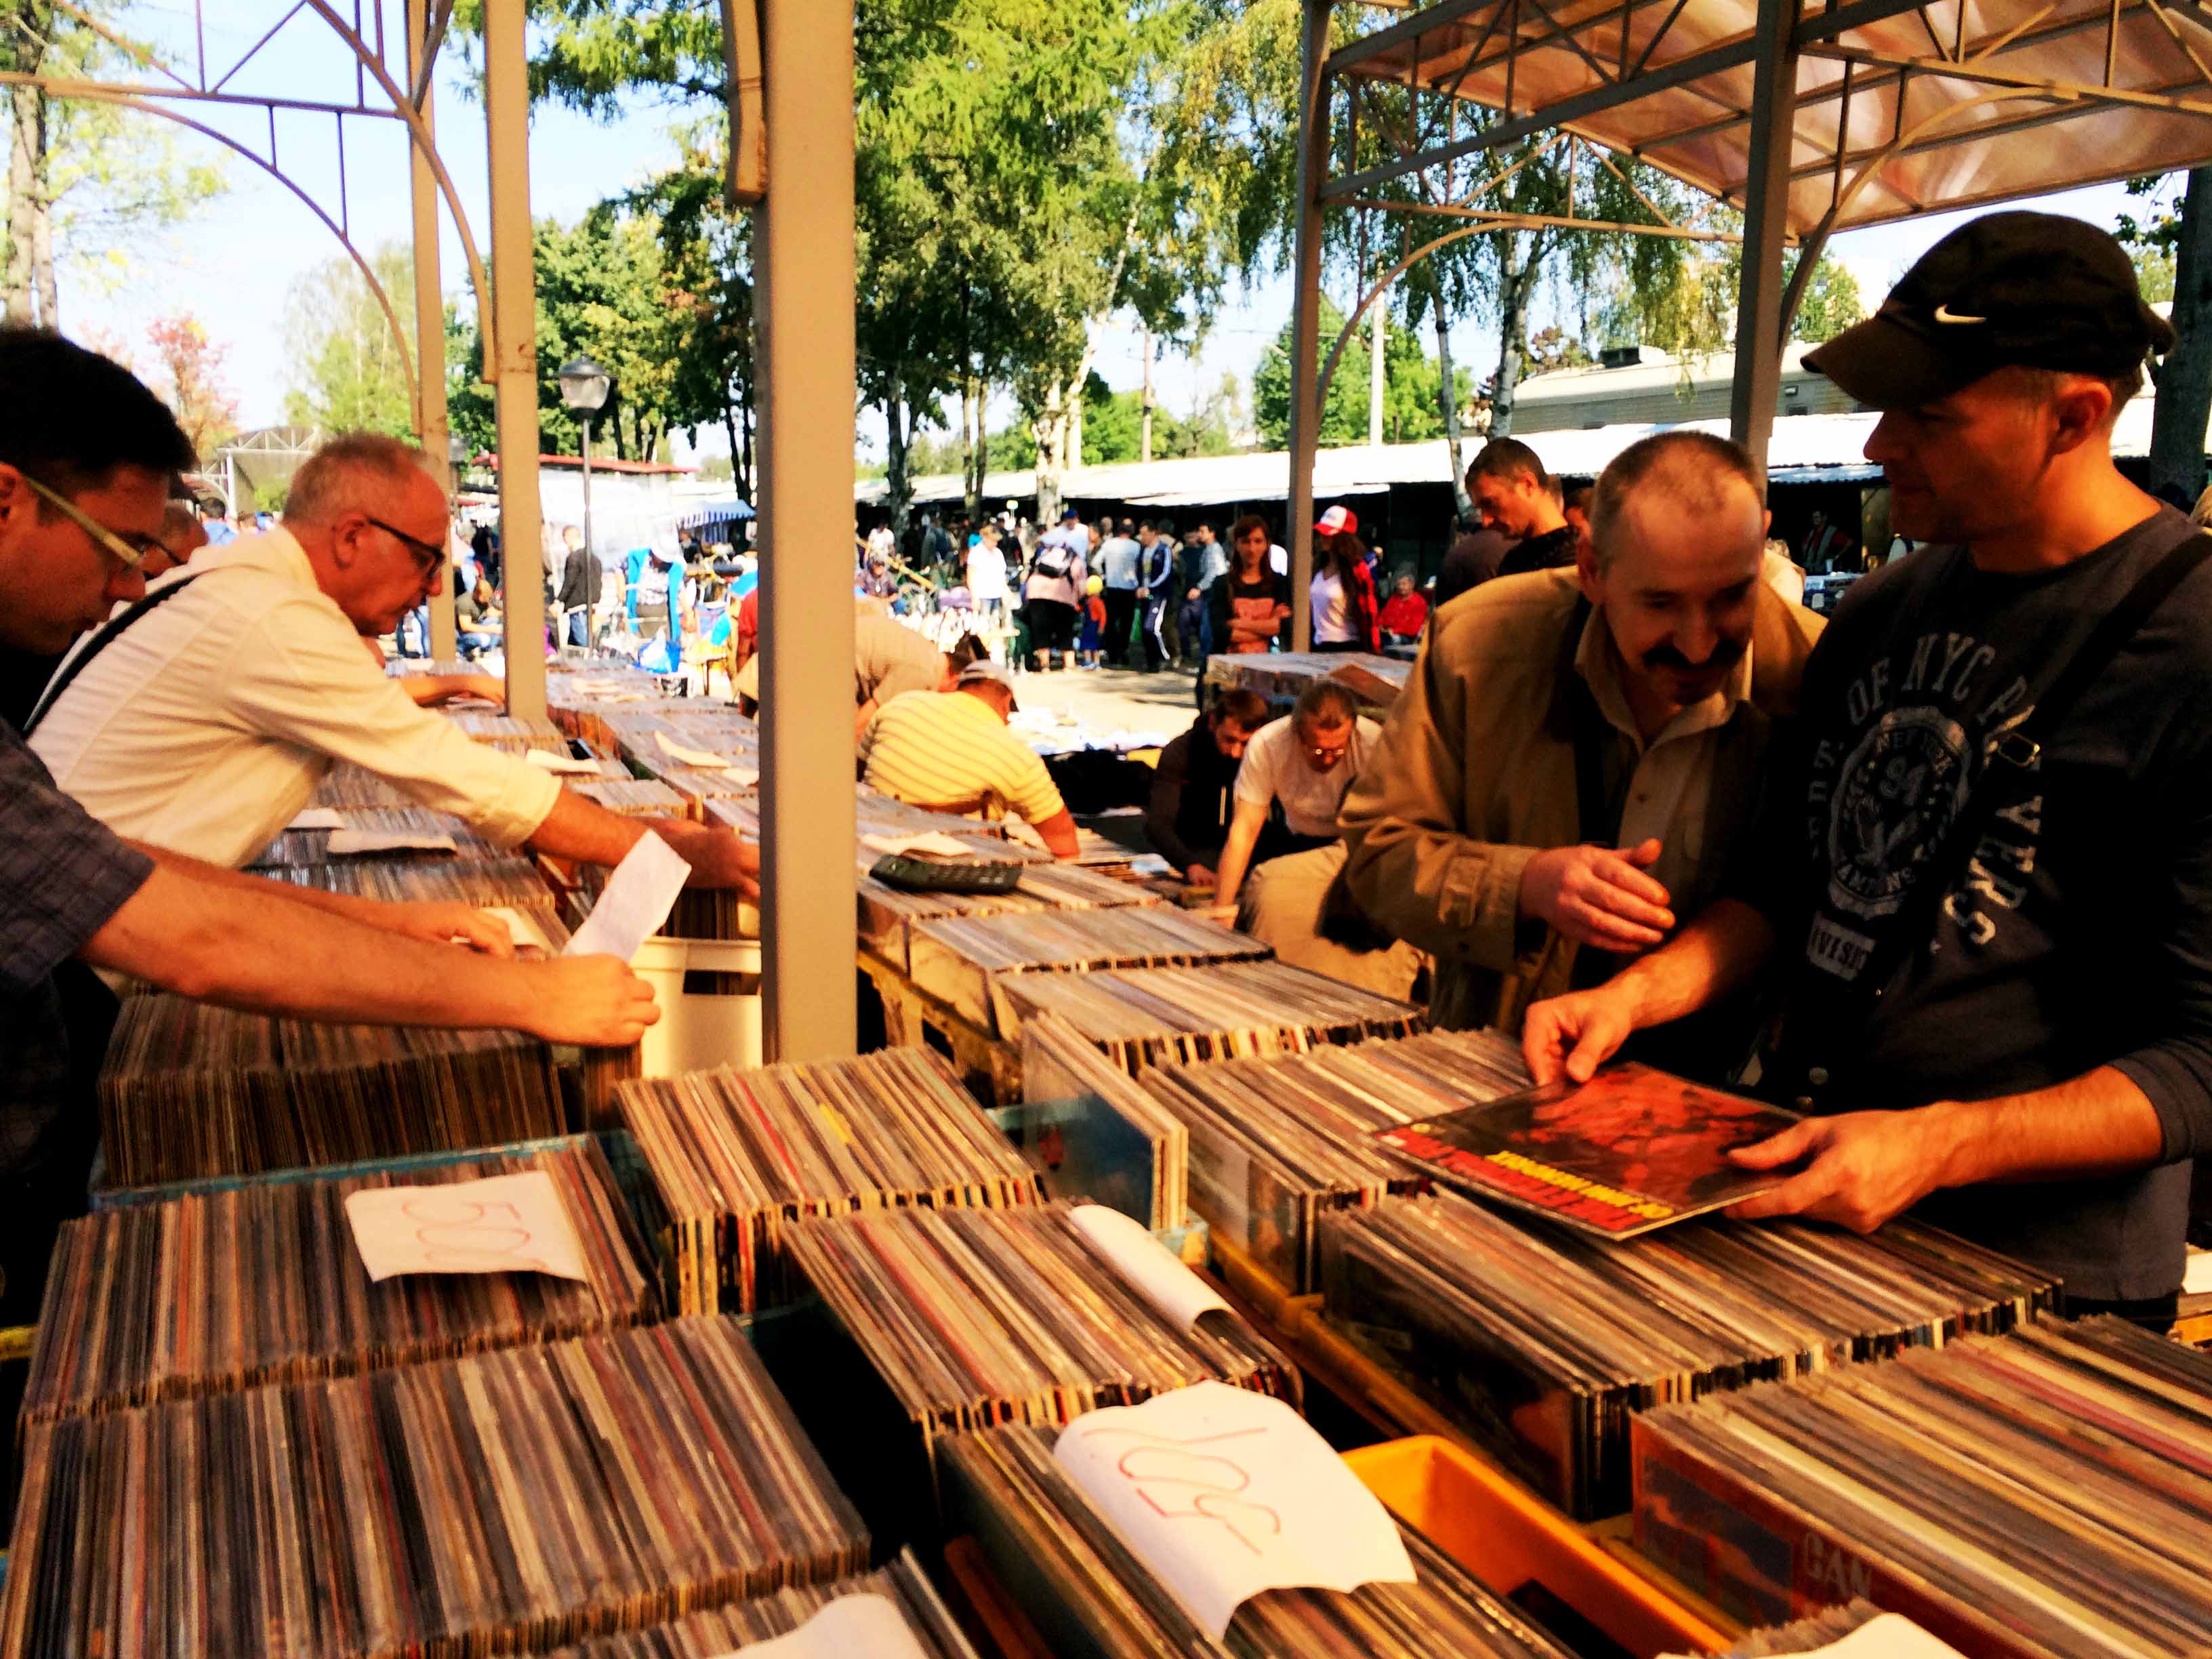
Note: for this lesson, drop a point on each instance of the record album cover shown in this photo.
(1630, 1149)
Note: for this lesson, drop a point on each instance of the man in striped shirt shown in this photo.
(950, 752)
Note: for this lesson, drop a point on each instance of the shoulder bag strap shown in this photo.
(109, 632)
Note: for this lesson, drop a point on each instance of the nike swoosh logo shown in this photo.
(1945, 314)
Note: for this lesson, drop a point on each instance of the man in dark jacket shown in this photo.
(1518, 498)
(582, 582)
(1195, 785)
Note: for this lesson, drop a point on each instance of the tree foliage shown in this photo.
(190, 376)
(349, 373)
(1411, 407)
(93, 188)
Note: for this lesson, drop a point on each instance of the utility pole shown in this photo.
(1145, 441)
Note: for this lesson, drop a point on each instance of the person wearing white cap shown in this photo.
(950, 752)
(1343, 591)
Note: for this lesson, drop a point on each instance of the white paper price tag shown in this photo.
(317, 817)
(346, 843)
(565, 765)
(526, 933)
(501, 1225)
(1223, 1493)
(636, 899)
(850, 1627)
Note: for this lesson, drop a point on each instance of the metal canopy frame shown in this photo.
(394, 80)
(1807, 116)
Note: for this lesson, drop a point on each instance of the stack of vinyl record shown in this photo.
(1085, 1582)
(977, 1317)
(512, 882)
(1142, 1017)
(510, 732)
(717, 1634)
(887, 912)
(740, 1156)
(887, 815)
(634, 798)
(264, 1284)
(298, 848)
(347, 785)
(515, 1500)
(1273, 1143)
(1087, 1120)
(963, 959)
(2046, 1495)
(190, 1090)
(1544, 1341)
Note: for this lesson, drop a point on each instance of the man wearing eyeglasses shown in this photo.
(1293, 778)
(207, 722)
(86, 456)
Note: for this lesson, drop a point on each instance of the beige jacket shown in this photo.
(1475, 775)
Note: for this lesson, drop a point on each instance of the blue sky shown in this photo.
(234, 264)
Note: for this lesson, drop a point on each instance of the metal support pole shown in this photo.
(514, 372)
(1758, 384)
(430, 428)
(1305, 315)
(804, 295)
(591, 548)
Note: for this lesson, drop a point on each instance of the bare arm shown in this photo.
(438, 924)
(1868, 1166)
(254, 950)
(1728, 943)
(1244, 828)
(582, 830)
(1057, 834)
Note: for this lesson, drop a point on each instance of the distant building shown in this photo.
(1643, 386)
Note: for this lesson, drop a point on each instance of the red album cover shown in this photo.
(1630, 1149)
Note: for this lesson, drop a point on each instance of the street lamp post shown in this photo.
(584, 388)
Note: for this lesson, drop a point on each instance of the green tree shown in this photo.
(1831, 304)
(91, 185)
(349, 374)
(603, 292)
(2173, 246)
(1343, 412)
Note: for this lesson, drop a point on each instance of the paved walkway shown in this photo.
(1106, 698)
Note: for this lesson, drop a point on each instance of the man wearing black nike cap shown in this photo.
(1986, 878)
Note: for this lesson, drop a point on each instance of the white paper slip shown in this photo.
(708, 758)
(346, 842)
(520, 928)
(1892, 1636)
(501, 1225)
(1148, 1267)
(1223, 1493)
(566, 765)
(318, 817)
(637, 899)
(2197, 1276)
(929, 840)
(866, 1626)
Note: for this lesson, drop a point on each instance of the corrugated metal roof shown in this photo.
(1804, 449)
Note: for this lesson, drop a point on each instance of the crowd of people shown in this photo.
(1940, 867)
(1935, 875)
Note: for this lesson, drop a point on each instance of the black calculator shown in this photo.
(940, 876)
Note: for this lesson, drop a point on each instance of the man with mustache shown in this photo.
(1576, 755)
(1984, 890)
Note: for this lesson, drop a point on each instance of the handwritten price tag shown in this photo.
(1148, 1267)
(1223, 1493)
(501, 1225)
(849, 1626)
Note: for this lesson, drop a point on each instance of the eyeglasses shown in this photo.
(130, 554)
(428, 555)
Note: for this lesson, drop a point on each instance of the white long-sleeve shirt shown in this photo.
(206, 724)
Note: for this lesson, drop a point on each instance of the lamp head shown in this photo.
(584, 384)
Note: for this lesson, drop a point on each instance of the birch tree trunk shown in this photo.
(1521, 267)
(2185, 381)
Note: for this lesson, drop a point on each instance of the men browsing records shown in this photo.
(1293, 778)
(1517, 497)
(86, 454)
(203, 720)
(950, 752)
(1985, 886)
(1193, 787)
(1575, 759)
